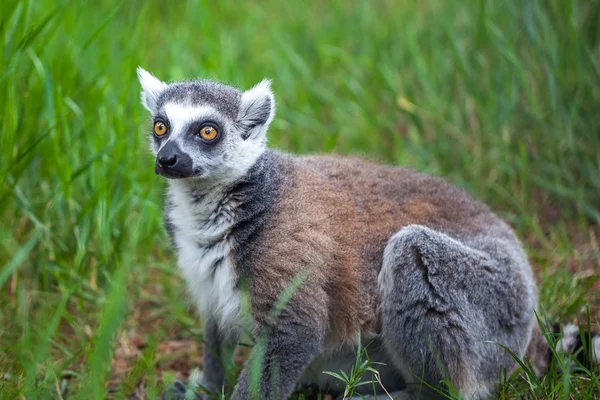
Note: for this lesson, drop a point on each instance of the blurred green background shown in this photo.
(501, 98)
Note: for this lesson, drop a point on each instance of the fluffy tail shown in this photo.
(583, 344)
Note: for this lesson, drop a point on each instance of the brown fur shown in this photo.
(334, 218)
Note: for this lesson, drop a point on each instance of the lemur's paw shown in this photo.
(178, 391)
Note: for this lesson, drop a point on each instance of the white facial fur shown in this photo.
(243, 138)
(179, 116)
(235, 155)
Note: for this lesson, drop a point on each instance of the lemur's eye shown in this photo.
(160, 128)
(208, 133)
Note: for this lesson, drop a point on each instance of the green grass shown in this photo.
(502, 98)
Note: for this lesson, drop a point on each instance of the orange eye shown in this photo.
(208, 133)
(160, 128)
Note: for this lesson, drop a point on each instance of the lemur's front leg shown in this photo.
(213, 376)
(277, 362)
(284, 349)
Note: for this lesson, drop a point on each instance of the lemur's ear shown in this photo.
(257, 109)
(152, 87)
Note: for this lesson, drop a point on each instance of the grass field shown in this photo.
(501, 98)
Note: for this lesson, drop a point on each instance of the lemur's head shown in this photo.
(206, 130)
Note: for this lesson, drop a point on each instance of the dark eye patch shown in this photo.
(193, 130)
(161, 118)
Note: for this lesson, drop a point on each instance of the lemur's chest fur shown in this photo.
(212, 229)
(200, 224)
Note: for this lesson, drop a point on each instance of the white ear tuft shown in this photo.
(257, 109)
(152, 87)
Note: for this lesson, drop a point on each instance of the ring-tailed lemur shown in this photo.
(427, 275)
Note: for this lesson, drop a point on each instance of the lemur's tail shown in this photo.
(582, 343)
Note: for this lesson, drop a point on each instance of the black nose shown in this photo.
(172, 162)
(167, 160)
